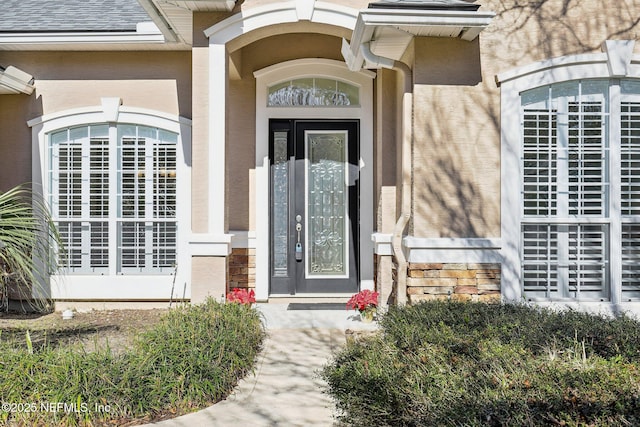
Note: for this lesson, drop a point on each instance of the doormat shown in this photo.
(316, 306)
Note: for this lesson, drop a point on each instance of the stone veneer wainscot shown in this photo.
(242, 268)
(459, 282)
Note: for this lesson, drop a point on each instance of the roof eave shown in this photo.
(145, 33)
(175, 18)
(372, 23)
(15, 81)
(153, 10)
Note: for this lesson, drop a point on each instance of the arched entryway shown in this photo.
(226, 40)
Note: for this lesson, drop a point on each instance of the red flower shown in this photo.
(241, 296)
(363, 300)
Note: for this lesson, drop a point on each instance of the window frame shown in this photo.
(114, 285)
(95, 201)
(578, 271)
(616, 63)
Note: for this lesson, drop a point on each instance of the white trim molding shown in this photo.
(67, 286)
(280, 13)
(382, 243)
(146, 33)
(243, 239)
(452, 250)
(201, 244)
(77, 116)
(616, 61)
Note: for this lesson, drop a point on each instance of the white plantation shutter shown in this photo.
(147, 175)
(540, 162)
(79, 195)
(565, 192)
(128, 210)
(164, 201)
(99, 199)
(587, 155)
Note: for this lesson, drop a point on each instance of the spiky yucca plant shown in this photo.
(26, 235)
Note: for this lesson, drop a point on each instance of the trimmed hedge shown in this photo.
(474, 364)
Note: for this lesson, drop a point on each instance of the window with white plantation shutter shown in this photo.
(113, 197)
(565, 192)
(580, 189)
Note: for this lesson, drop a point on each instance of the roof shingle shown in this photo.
(25, 16)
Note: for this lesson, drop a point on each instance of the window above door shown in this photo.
(313, 92)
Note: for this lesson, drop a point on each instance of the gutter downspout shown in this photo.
(405, 165)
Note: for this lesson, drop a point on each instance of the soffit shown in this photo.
(178, 14)
(389, 31)
(204, 5)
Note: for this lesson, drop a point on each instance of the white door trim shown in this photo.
(364, 112)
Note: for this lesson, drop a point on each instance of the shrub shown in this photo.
(26, 233)
(191, 359)
(471, 364)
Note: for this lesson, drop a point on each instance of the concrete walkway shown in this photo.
(285, 389)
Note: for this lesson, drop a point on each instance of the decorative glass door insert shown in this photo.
(326, 204)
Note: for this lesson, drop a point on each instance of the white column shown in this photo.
(217, 137)
(510, 217)
(208, 250)
(262, 208)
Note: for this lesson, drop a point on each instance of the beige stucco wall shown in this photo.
(15, 141)
(455, 153)
(200, 123)
(67, 80)
(205, 275)
(387, 95)
(456, 191)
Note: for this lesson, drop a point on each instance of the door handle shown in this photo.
(298, 248)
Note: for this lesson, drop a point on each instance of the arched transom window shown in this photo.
(313, 92)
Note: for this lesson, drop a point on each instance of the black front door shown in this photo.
(314, 206)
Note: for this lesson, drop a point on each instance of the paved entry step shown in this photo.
(316, 306)
(311, 315)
